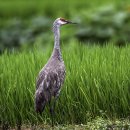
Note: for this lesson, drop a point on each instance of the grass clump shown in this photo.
(97, 84)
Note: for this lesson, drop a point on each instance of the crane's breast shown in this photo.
(51, 80)
(58, 77)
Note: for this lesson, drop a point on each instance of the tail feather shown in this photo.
(39, 101)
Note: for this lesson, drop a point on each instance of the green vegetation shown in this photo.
(97, 84)
(104, 24)
(98, 123)
(55, 8)
(25, 22)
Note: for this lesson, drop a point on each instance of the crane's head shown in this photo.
(62, 21)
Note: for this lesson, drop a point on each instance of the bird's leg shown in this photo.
(54, 103)
(51, 113)
(52, 110)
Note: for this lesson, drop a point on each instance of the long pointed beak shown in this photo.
(69, 22)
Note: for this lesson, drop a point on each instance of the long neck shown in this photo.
(56, 51)
(56, 30)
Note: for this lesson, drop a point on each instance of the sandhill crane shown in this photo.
(52, 75)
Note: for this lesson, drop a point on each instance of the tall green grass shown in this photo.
(97, 84)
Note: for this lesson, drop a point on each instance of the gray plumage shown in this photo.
(52, 75)
(49, 81)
